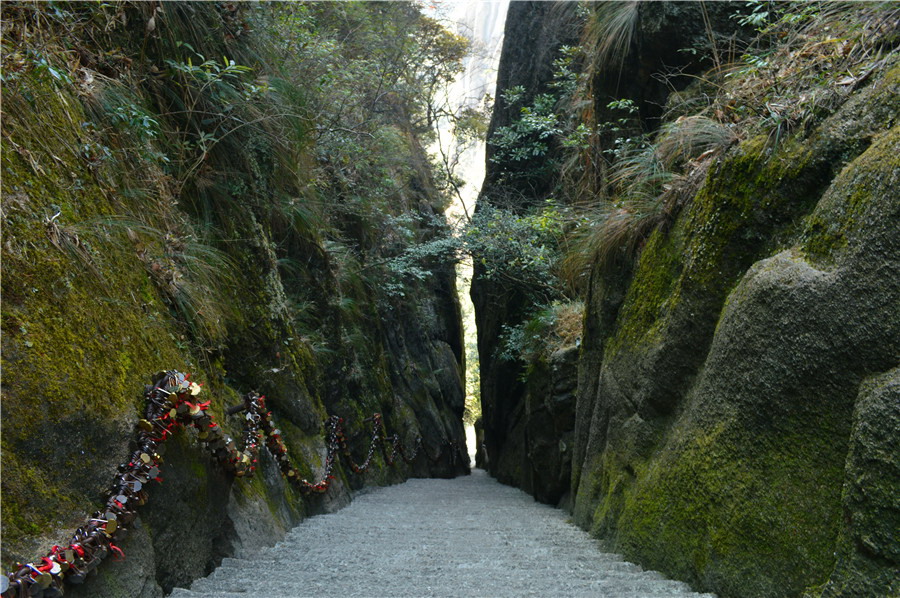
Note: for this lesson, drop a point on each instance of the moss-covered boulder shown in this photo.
(867, 558)
(731, 406)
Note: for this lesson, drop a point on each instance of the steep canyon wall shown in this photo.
(735, 418)
(130, 247)
(547, 26)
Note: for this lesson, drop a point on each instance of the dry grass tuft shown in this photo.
(804, 64)
(610, 31)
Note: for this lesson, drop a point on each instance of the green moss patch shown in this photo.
(651, 287)
(749, 517)
(831, 228)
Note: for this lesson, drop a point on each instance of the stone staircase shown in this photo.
(470, 536)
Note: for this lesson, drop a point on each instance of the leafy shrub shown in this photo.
(546, 331)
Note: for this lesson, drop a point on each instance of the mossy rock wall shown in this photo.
(88, 318)
(522, 448)
(737, 374)
(727, 397)
(84, 328)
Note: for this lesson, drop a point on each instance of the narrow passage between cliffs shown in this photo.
(469, 536)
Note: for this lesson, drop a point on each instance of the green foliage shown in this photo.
(527, 137)
(567, 75)
(766, 14)
(547, 330)
(473, 384)
(540, 123)
(528, 148)
(625, 141)
(519, 249)
(416, 264)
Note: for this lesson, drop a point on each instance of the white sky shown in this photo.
(482, 22)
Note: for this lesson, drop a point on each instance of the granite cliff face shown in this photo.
(536, 34)
(737, 378)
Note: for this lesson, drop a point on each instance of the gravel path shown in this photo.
(469, 536)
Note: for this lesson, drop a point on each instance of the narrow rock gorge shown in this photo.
(686, 284)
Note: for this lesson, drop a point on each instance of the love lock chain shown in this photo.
(170, 402)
